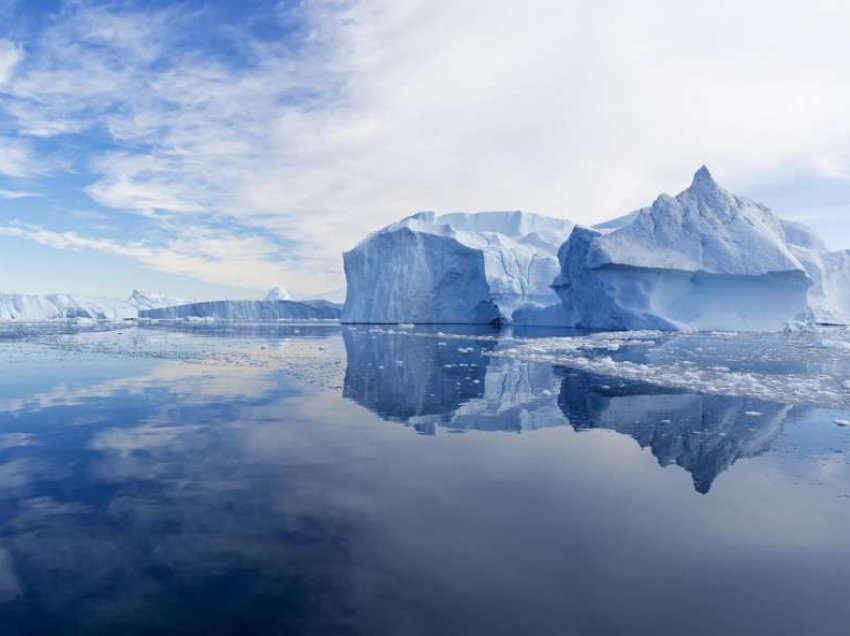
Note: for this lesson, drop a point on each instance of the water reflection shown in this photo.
(150, 494)
(428, 382)
(142, 505)
(705, 435)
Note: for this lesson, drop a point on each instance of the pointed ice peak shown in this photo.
(703, 180)
(278, 293)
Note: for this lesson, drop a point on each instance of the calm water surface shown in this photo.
(327, 480)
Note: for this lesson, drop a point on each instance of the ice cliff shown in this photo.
(705, 259)
(248, 310)
(453, 268)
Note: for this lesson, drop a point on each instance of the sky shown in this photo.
(217, 149)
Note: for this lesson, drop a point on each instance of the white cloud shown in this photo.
(17, 159)
(10, 56)
(17, 194)
(580, 109)
(214, 256)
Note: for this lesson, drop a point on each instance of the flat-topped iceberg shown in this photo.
(453, 268)
(248, 311)
(703, 260)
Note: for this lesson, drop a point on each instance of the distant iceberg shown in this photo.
(248, 311)
(278, 293)
(704, 260)
(45, 307)
(143, 300)
(453, 268)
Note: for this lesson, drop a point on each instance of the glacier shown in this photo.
(453, 268)
(247, 310)
(703, 260)
(51, 307)
(45, 307)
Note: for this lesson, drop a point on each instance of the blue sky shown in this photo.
(218, 149)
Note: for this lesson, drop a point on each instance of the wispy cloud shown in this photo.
(214, 256)
(10, 56)
(17, 194)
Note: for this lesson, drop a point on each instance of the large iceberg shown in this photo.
(43, 307)
(453, 268)
(248, 310)
(703, 260)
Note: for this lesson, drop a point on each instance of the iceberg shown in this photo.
(453, 268)
(247, 310)
(703, 260)
(278, 293)
(829, 295)
(45, 307)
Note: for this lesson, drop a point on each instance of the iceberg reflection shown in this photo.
(704, 434)
(428, 382)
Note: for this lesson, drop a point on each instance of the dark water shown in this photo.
(342, 481)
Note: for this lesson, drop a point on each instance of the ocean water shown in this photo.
(332, 480)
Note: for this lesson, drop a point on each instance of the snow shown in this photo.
(278, 293)
(454, 268)
(38, 308)
(152, 300)
(703, 229)
(704, 260)
(247, 310)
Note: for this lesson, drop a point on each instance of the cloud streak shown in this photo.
(212, 256)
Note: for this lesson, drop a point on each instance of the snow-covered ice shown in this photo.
(453, 268)
(44, 307)
(278, 293)
(706, 259)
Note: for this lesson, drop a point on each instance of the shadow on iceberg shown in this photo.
(704, 434)
(427, 382)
